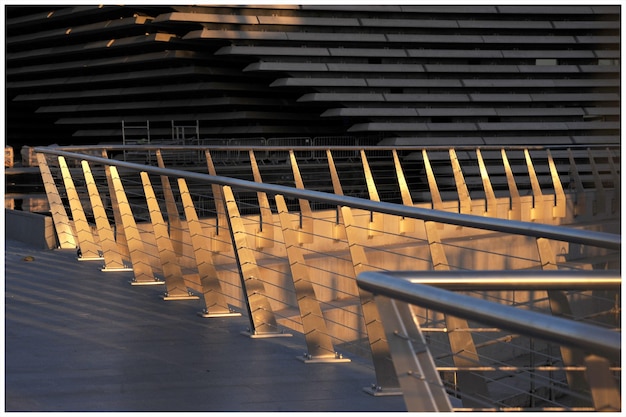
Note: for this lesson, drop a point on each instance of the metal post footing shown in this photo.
(167, 297)
(382, 392)
(208, 314)
(155, 282)
(331, 358)
(265, 335)
(105, 269)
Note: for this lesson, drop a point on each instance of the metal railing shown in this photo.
(599, 347)
(294, 253)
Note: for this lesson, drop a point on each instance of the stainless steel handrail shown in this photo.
(406, 286)
(600, 239)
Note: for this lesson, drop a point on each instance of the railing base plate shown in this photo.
(147, 283)
(179, 297)
(382, 392)
(89, 259)
(116, 269)
(322, 359)
(264, 335)
(213, 315)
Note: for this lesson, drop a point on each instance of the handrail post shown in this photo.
(386, 378)
(305, 227)
(419, 379)
(88, 250)
(173, 217)
(406, 224)
(176, 288)
(214, 300)
(262, 318)
(142, 269)
(110, 249)
(65, 234)
(265, 232)
(318, 340)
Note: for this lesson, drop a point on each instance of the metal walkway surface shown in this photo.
(79, 339)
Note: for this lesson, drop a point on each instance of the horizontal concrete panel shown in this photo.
(370, 112)
(285, 66)
(413, 82)
(455, 53)
(271, 51)
(409, 23)
(504, 24)
(319, 82)
(341, 97)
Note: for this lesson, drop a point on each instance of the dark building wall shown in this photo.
(432, 75)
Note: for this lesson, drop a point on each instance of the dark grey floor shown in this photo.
(79, 339)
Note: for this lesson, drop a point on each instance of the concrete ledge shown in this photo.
(31, 228)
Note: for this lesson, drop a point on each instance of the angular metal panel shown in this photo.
(143, 273)
(262, 319)
(560, 209)
(265, 232)
(471, 384)
(110, 250)
(386, 378)
(319, 344)
(214, 300)
(65, 234)
(515, 211)
(88, 249)
(491, 208)
(465, 202)
(173, 217)
(419, 379)
(305, 232)
(174, 281)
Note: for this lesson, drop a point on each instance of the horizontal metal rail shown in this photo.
(407, 287)
(247, 147)
(515, 279)
(605, 240)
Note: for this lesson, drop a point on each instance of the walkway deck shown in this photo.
(79, 339)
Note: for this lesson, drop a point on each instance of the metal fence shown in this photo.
(246, 238)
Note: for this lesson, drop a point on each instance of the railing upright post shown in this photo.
(262, 319)
(120, 235)
(65, 234)
(110, 249)
(491, 209)
(173, 217)
(599, 202)
(559, 210)
(142, 269)
(87, 247)
(419, 379)
(220, 242)
(604, 391)
(406, 225)
(386, 378)
(580, 201)
(339, 230)
(515, 211)
(560, 306)
(319, 344)
(305, 232)
(537, 211)
(214, 300)
(465, 202)
(471, 384)
(435, 196)
(375, 225)
(265, 232)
